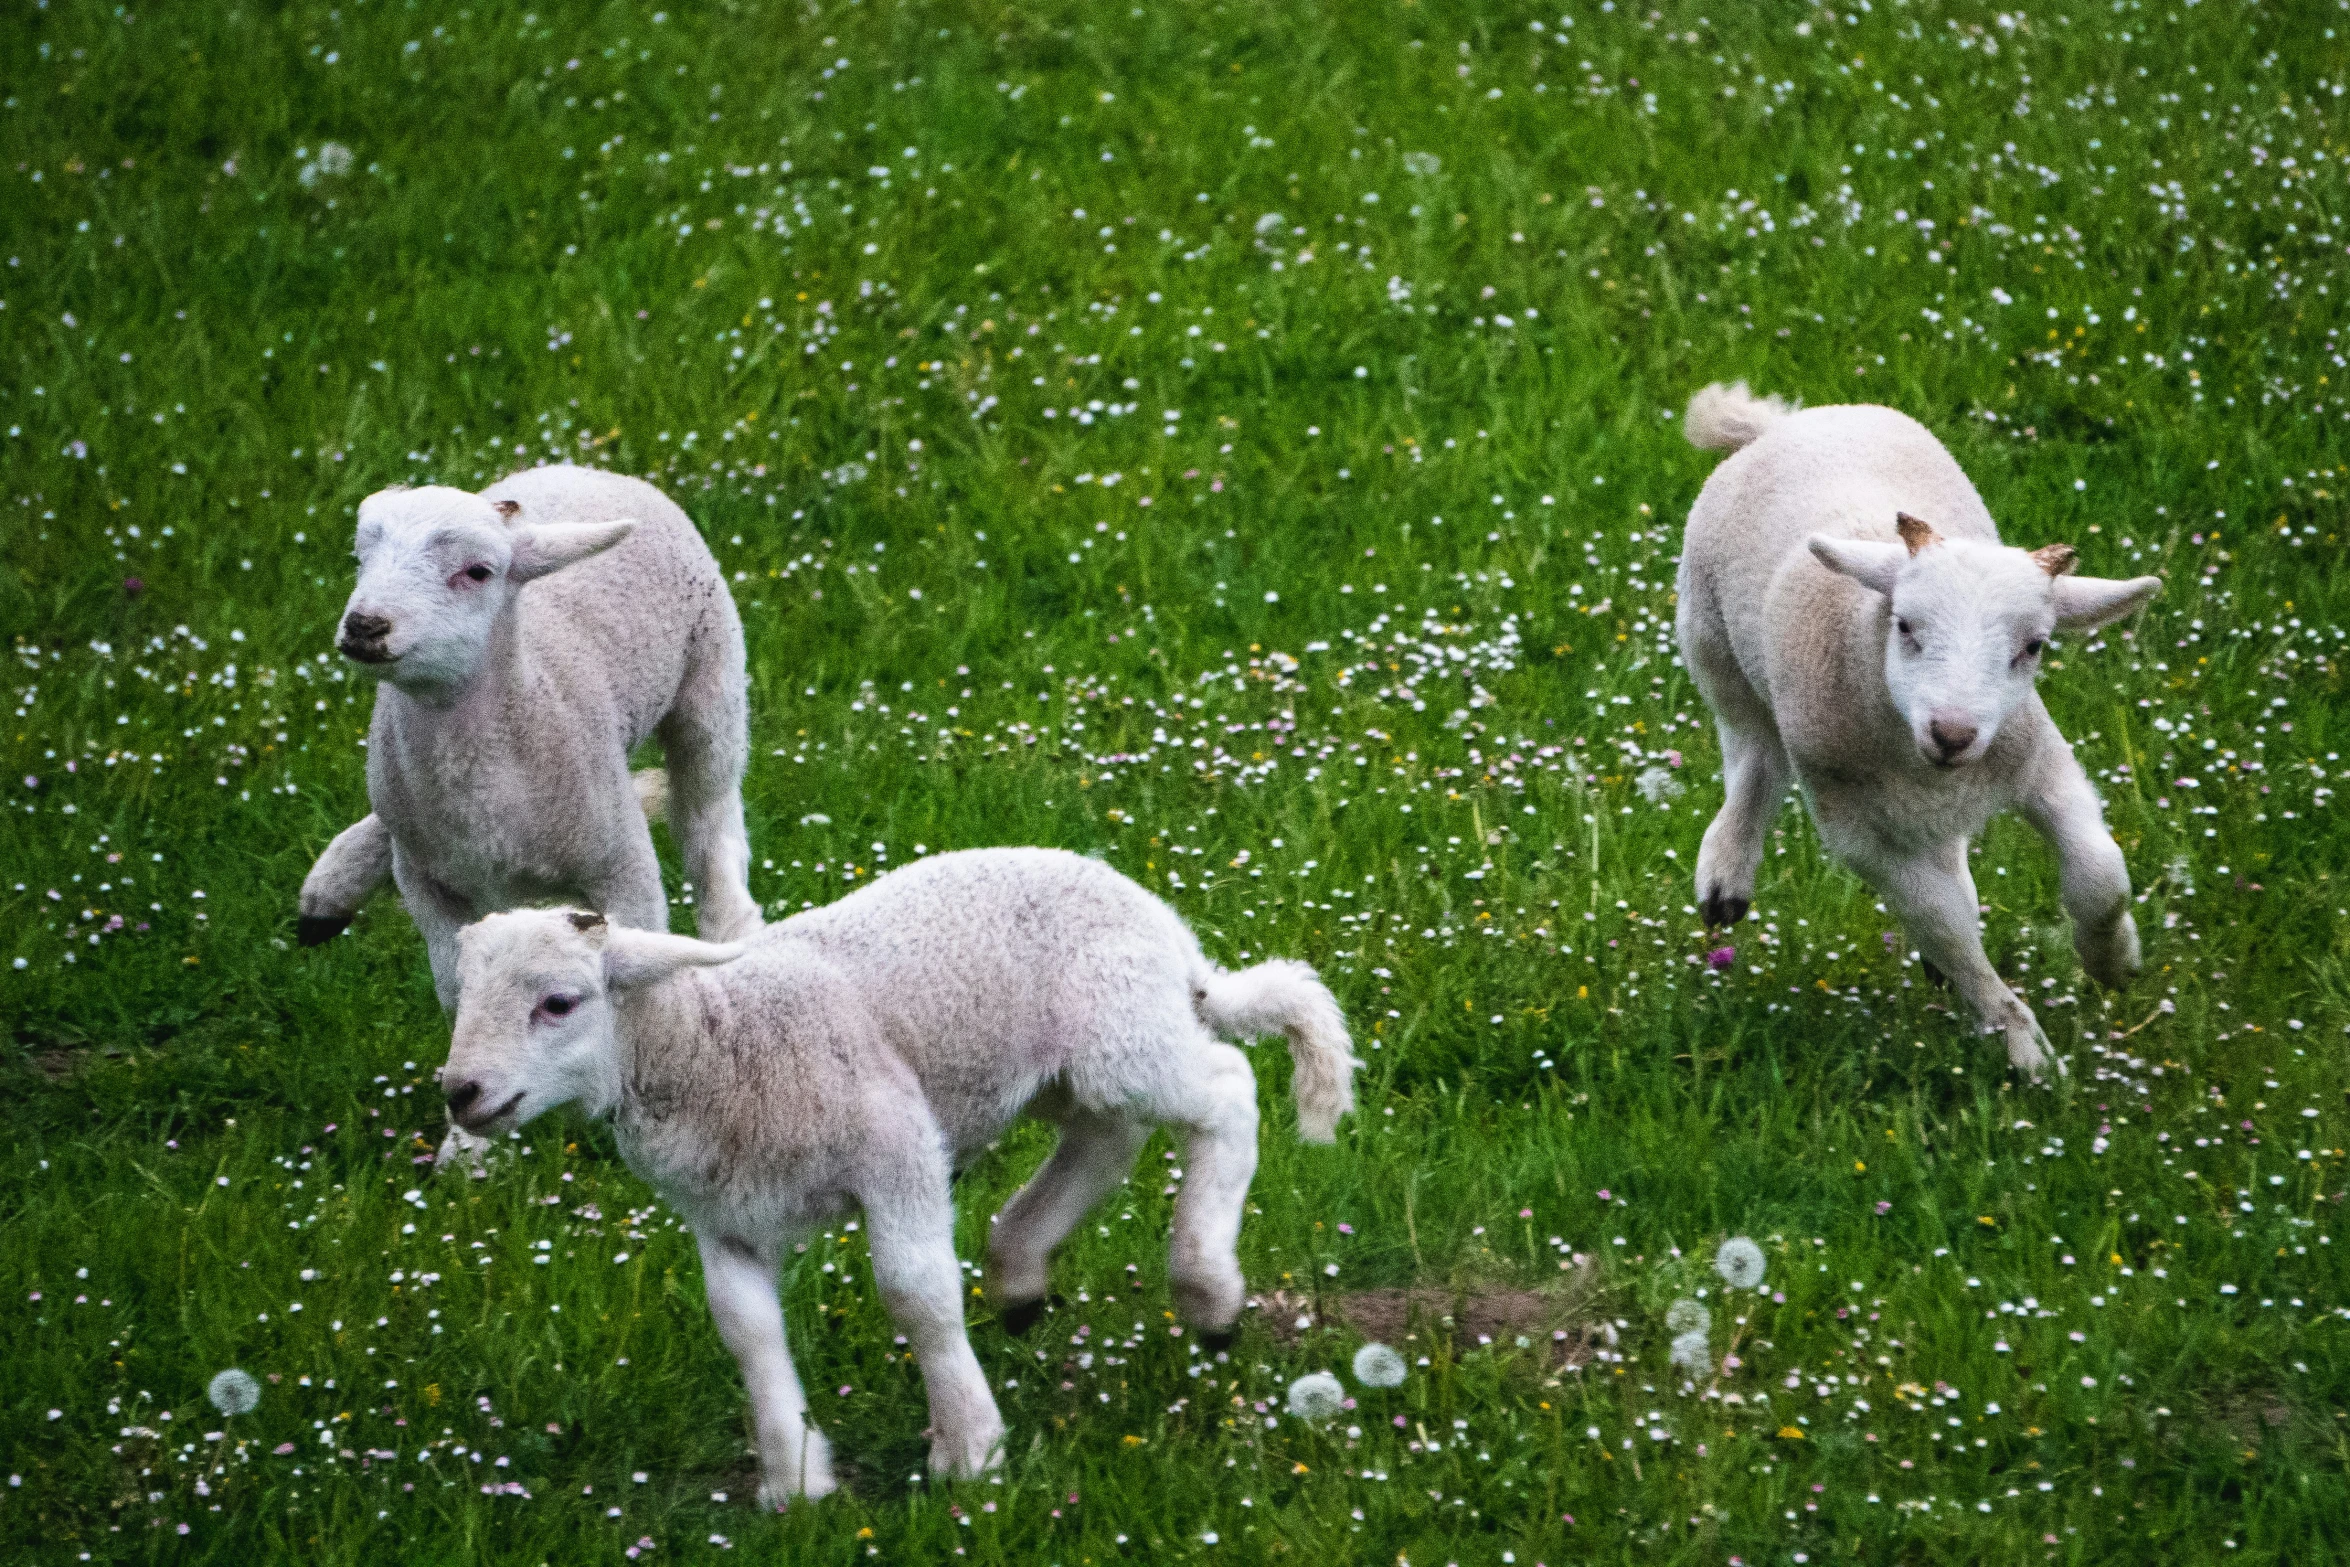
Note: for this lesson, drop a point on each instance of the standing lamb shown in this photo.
(855, 1055)
(526, 639)
(1886, 663)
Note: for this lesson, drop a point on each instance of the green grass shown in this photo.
(2097, 1323)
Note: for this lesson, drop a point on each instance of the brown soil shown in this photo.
(1552, 1323)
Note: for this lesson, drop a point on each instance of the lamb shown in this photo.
(855, 1055)
(498, 756)
(1848, 612)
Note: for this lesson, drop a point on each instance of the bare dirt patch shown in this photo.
(1555, 1323)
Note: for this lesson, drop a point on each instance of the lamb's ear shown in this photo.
(2083, 602)
(1873, 563)
(555, 545)
(638, 957)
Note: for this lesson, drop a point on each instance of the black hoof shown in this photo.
(1217, 1342)
(1721, 913)
(316, 930)
(1017, 1320)
(1934, 974)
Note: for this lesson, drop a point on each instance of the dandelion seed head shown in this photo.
(234, 1392)
(1740, 1263)
(1316, 1396)
(1378, 1366)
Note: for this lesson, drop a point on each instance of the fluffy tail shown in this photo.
(1286, 997)
(652, 792)
(1724, 418)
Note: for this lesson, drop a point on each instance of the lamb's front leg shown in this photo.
(358, 861)
(1756, 774)
(794, 1460)
(2096, 880)
(1933, 895)
(912, 1219)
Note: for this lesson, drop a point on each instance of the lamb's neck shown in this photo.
(492, 697)
(666, 1065)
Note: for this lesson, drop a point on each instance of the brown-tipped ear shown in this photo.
(2056, 559)
(507, 509)
(1915, 532)
(587, 922)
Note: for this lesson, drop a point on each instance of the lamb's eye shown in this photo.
(556, 1006)
(1903, 625)
(2033, 647)
(478, 573)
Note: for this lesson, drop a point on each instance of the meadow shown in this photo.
(1240, 441)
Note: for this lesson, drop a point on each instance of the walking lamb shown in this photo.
(853, 1056)
(1848, 612)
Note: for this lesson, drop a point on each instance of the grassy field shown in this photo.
(1240, 441)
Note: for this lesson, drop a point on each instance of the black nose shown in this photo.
(1951, 739)
(463, 1094)
(365, 628)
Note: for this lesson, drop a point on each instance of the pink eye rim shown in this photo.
(477, 572)
(558, 1006)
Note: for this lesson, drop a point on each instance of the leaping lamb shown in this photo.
(853, 1056)
(526, 638)
(1848, 612)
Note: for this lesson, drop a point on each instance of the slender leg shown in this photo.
(353, 866)
(913, 1247)
(1096, 1151)
(1757, 774)
(630, 890)
(440, 916)
(1214, 1100)
(705, 743)
(1933, 896)
(2096, 880)
(794, 1460)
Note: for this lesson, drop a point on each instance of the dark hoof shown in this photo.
(1934, 974)
(1721, 913)
(316, 930)
(1217, 1342)
(1017, 1320)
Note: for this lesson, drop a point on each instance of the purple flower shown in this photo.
(134, 586)
(1721, 958)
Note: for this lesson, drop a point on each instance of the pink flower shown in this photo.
(1721, 958)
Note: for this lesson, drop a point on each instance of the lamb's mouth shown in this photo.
(476, 1123)
(367, 652)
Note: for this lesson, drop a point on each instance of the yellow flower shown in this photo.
(1790, 1434)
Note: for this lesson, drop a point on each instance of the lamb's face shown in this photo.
(1966, 622)
(1969, 623)
(437, 567)
(433, 579)
(534, 1020)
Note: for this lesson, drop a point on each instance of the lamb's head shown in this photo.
(1966, 623)
(535, 1022)
(437, 567)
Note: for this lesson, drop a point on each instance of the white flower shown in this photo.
(1740, 1263)
(334, 158)
(1421, 163)
(1687, 1316)
(1692, 1353)
(1316, 1396)
(1270, 222)
(234, 1392)
(1378, 1366)
(1657, 785)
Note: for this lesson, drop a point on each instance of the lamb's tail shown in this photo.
(1724, 418)
(652, 792)
(1286, 997)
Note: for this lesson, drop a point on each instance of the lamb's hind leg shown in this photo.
(705, 743)
(1214, 1101)
(794, 1460)
(1757, 774)
(1095, 1153)
(2095, 877)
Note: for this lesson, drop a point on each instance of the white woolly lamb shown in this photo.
(497, 762)
(1886, 663)
(854, 1055)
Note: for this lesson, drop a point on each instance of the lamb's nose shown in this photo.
(365, 628)
(1951, 739)
(462, 1095)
